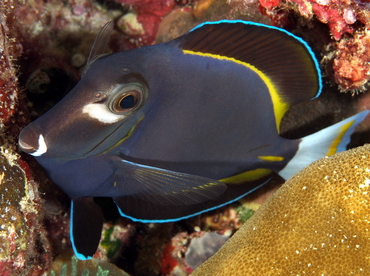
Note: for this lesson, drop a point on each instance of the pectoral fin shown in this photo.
(164, 187)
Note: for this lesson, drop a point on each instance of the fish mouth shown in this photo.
(31, 141)
(27, 148)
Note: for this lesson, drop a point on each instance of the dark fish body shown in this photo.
(173, 130)
(227, 110)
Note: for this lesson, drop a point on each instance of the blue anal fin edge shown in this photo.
(85, 227)
(146, 212)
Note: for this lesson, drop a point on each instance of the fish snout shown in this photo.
(32, 142)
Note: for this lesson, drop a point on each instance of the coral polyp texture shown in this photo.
(339, 15)
(142, 22)
(316, 223)
(351, 63)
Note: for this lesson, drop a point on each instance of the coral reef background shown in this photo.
(44, 45)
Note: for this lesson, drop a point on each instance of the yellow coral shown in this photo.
(316, 223)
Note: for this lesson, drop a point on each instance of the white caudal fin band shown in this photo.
(325, 142)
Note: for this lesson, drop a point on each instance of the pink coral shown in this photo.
(347, 61)
(339, 15)
(269, 3)
(336, 15)
(352, 62)
(149, 14)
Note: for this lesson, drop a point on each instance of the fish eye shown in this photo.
(125, 98)
(126, 102)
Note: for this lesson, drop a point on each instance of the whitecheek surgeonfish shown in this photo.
(173, 130)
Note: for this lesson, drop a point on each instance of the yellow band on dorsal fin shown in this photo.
(280, 107)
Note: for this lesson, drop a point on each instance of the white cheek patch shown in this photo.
(101, 113)
(42, 147)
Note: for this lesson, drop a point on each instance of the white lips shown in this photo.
(42, 148)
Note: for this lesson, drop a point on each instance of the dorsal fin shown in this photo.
(285, 59)
(100, 42)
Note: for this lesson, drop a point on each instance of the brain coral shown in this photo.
(316, 223)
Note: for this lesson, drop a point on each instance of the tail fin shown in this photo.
(327, 141)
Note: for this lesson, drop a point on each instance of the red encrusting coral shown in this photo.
(9, 51)
(168, 262)
(149, 14)
(339, 15)
(24, 246)
(351, 64)
(348, 21)
(269, 3)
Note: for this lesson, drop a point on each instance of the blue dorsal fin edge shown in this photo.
(282, 60)
(286, 60)
(303, 42)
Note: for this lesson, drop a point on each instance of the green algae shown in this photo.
(244, 213)
(67, 264)
(112, 246)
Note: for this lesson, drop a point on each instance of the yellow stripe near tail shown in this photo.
(271, 158)
(334, 146)
(246, 176)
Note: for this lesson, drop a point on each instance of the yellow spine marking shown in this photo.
(246, 176)
(333, 147)
(280, 107)
(124, 138)
(271, 158)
